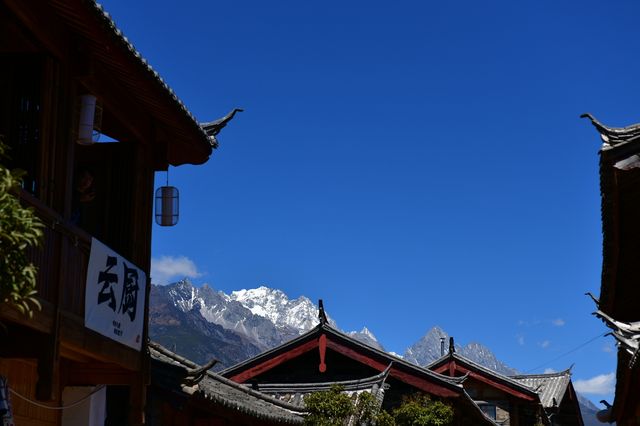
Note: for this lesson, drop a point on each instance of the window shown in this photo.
(489, 410)
(20, 118)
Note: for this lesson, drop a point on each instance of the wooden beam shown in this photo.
(120, 104)
(75, 337)
(414, 379)
(95, 373)
(453, 367)
(37, 17)
(42, 320)
(274, 362)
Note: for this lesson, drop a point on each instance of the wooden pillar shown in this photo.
(514, 414)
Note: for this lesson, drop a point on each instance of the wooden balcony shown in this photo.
(61, 259)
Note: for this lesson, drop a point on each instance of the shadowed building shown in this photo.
(617, 304)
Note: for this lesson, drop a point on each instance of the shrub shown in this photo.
(420, 410)
(19, 229)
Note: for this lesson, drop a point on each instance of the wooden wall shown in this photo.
(22, 376)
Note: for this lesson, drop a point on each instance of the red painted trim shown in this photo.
(423, 384)
(452, 367)
(443, 369)
(274, 362)
(322, 346)
(409, 378)
(414, 378)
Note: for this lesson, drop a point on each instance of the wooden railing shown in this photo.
(61, 259)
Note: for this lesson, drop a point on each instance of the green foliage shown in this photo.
(19, 229)
(328, 408)
(366, 409)
(420, 410)
(384, 419)
(335, 408)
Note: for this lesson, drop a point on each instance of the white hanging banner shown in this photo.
(114, 296)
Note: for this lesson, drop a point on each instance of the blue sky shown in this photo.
(413, 164)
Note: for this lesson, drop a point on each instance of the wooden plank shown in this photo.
(275, 361)
(42, 319)
(453, 367)
(75, 337)
(22, 378)
(36, 16)
(413, 379)
(93, 373)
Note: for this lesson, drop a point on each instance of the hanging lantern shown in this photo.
(167, 206)
(90, 120)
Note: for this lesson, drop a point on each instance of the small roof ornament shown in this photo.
(212, 128)
(452, 346)
(612, 136)
(322, 316)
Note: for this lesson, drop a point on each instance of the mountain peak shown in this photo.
(367, 332)
(273, 304)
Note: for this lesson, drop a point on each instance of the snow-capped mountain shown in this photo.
(219, 308)
(264, 317)
(365, 336)
(202, 323)
(300, 314)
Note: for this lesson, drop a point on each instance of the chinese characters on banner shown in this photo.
(114, 296)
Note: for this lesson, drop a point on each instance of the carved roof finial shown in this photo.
(452, 346)
(322, 316)
(212, 128)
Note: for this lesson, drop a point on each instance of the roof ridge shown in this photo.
(565, 372)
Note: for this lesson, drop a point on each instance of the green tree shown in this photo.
(336, 408)
(19, 229)
(328, 408)
(420, 410)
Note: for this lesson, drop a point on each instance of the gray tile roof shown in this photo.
(550, 387)
(110, 23)
(220, 391)
(613, 136)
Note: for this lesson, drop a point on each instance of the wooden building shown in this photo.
(65, 70)
(523, 400)
(617, 304)
(183, 393)
(324, 356)
(557, 396)
(500, 397)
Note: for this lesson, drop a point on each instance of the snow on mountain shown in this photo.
(266, 316)
(203, 323)
(300, 313)
(365, 336)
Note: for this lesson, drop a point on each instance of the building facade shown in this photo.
(89, 121)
